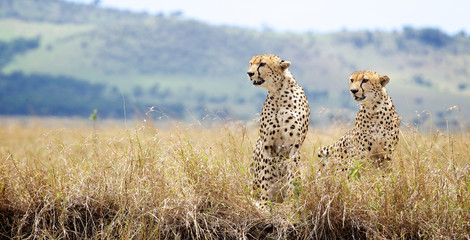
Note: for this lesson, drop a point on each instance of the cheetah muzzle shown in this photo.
(256, 82)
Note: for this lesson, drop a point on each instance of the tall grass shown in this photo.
(191, 182)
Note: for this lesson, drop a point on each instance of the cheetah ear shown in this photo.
(285, 64)
(384, 80)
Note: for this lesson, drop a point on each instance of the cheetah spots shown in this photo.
(375, 133)
(283, 125)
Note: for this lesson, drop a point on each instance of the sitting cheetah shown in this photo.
(375, 133)
(283, 125)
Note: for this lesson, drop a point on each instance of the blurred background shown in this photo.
(186, 60)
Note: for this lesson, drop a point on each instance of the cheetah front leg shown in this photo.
(331, 154)
(291, 139)
(267, 182)
(266, 173)
(324, 153)
(338, 154)
(273, 177)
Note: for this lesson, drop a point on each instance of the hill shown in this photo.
(189, 68)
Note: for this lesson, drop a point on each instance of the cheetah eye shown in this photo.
(365, 80)
(352, 80)
(262, 64)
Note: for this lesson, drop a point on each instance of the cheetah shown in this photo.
(284, 123)
(375, 133)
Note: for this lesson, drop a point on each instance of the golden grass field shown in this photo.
(183, 181)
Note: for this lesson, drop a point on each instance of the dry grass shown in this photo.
(191, 182)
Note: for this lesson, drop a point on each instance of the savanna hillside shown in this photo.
(77, 180)
(65, 59)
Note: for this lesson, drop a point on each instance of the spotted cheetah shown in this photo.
(375, 134)
(284, 123)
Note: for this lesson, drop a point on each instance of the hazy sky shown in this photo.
(451, 16)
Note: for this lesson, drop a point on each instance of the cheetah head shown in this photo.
(266, 70)
(365, 84)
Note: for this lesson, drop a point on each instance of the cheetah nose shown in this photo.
(354, 91)
(250, 74)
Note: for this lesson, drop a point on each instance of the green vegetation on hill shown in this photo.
(165, 60)
(9, 49)
(59, 96)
